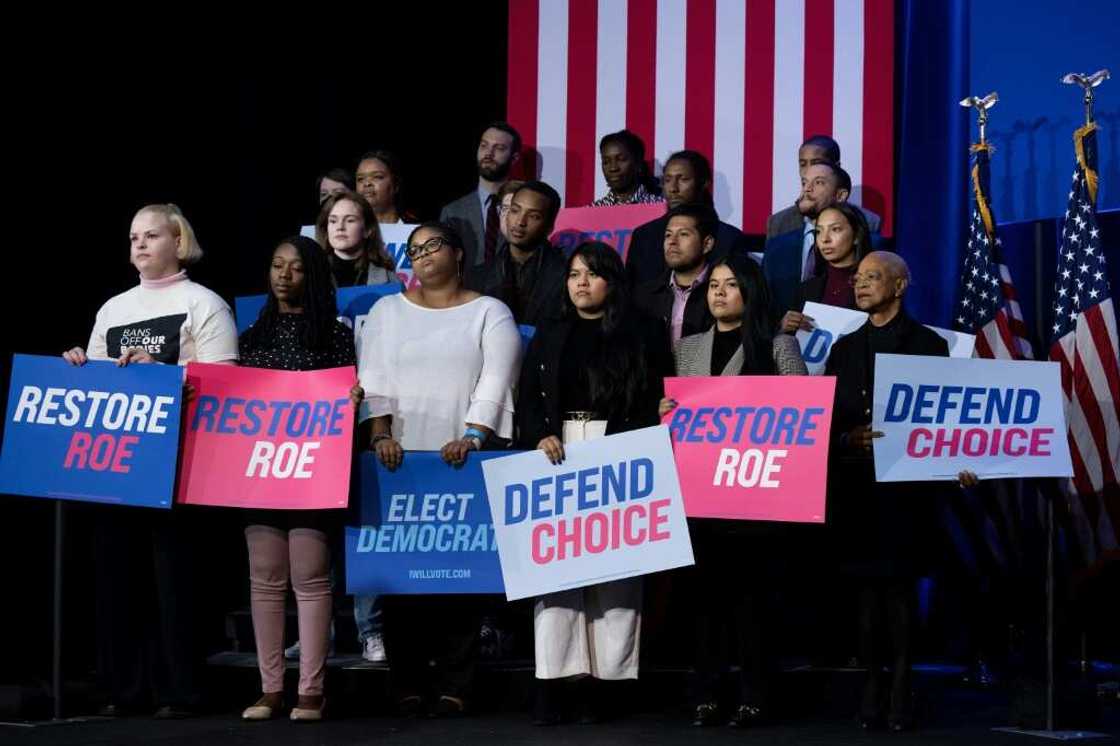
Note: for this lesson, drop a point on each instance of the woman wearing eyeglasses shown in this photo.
(438, 364)
(877, 529)
(843, 239)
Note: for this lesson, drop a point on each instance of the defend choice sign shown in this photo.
(939, 416)
(611, 225)
(96, 433)
(268, 438)
(426, 528)
(753, 447)
(611, 510)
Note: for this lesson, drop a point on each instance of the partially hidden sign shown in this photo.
(611, 225)
(752, 447)
(426, 528)
(261, 438)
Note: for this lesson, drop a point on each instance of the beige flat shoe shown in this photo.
(309, 714)
(265, 708)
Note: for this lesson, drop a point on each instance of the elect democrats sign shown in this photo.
(261, 438)
(426, 528)
(753, 448)
(611, 510)
(940, 416)
(97, 433)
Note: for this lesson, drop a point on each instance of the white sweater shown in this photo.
(434, 370)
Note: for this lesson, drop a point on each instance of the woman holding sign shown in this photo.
(438, 365)
(877, 527)
(296, 330)
(843, 239)
(347, 229)
(596, 371)
(730, 621)
(167, 319)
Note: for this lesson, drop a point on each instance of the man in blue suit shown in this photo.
(789, 259)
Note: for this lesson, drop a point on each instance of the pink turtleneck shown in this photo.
(164, 281)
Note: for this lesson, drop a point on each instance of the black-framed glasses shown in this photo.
(431, 246)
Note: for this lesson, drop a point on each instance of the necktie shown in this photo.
(491, 240)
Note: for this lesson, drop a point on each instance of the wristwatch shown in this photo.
(475, 442)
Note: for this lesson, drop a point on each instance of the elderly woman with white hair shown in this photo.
(142, 573)
(877, 528)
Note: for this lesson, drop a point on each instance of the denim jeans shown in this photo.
(367, 616)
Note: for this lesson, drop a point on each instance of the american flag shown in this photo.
(1084, 342)
(743, 82)
(989, 305)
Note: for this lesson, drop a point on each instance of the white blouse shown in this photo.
(436, 369)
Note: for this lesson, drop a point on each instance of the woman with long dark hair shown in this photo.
(297, 329)
(347, 229)
(843, 239)
(596, 371)
(730, 616)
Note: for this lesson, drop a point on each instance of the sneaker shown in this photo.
(291, 653)
(373, 649)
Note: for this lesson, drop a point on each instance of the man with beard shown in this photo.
(679, 296)
(791, 258)
(475, 215)
(527, 273)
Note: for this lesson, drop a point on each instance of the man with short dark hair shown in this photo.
(679, 296)
(686, 178)
(815, 150)
(527, 273)
(475, 215)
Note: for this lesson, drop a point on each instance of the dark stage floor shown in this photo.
(962, 717)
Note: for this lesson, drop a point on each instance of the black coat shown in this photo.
(655, 299)
(538, 393)
(548, 287)
(812, 290)
(878, 529)
(645, 259)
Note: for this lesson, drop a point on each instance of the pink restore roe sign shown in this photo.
(611, 225)
(752, 447)
(261, 438)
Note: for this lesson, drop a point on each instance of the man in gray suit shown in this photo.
(817, 149)
(475, 215)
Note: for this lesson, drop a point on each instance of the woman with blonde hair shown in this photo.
(347, 229)
(142, 569)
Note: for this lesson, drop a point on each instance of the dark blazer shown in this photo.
(655, 299)
(789, 219)
(538, 392)
(548, 287)
(781, 264)
(645, 260)
(465, 216)
(880, 530)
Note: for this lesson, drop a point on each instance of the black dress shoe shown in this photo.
(112, 710)
(706, 714)
(174, 712)
(870, 722)
(747, 716)
(900, 723)
(410, 708)
(449, 707)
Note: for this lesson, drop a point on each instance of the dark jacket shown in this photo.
(655, 299)
(548, 286)
(538, 393)
(781, 264)
(879, 529)
(645, 259)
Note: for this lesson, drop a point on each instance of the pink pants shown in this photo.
(274, 555)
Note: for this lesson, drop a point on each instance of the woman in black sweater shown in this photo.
(298, 329)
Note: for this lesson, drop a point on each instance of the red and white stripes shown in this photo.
(741, 81)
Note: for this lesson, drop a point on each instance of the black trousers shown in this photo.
(432, 643)
(730, 603)
(146, 652)
(886, 620)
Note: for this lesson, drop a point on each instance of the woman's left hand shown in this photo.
(356, 395)
(134, 355)
(455, 452)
